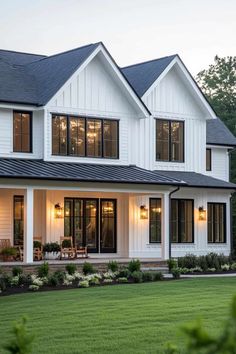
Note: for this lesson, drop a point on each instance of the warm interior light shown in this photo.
(202, 213)
(58, 211)
(156, 210)
(143, 212)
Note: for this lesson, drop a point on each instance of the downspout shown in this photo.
(170, 194)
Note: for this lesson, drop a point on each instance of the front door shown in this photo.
(81, 222)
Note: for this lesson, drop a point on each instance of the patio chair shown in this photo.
(67, 249)
(81, 251)
(38, 249)
(6, 243)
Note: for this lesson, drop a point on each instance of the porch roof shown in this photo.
(81, 172)
(198, 180)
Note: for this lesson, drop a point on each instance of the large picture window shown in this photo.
(216, 222)
(18, 218)
(169, 140)
(85, 137)
(155, 220)
(182, 221)
(22, 131)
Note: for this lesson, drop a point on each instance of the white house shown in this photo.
(130, 162)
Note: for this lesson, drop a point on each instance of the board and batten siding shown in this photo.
(6, 135)
(219, 163)
(94, 92)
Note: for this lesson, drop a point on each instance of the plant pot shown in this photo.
(51, 255)
(6, 258)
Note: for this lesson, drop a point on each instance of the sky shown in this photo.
(132, 30)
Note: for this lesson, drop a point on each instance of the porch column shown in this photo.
(166, 226)
(29, 225)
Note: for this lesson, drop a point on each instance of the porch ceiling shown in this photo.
(62, 171)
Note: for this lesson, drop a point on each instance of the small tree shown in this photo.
(22, 341)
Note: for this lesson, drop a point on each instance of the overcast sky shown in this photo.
(132, 30)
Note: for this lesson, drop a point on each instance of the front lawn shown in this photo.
(134, 318)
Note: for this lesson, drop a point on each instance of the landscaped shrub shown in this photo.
(107, 281)
(172, 263)
(124, 273)
(176, 273)
(137, 276)
(71, 268)
(188, 261)
(202, 263)
(94, 281)
(213, 261)
(233, 266)
(16, 271)
(55, 280)
(84, 284)
(134, 265)
(88, 268)
(51, 247)
(225, 267)
(43, 270)
(158, 276)
(21, 343)
(3, 284)
(122, 280)
(147, 276)
(113, 266)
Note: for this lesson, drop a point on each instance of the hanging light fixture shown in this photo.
(143, 212)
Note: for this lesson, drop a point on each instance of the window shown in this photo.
(216, 222)
(22, 131)
(155, 220)
(108, 226)
(85, 137)
(169, 140)
(18, 215)
(208, 159)
(182, 221)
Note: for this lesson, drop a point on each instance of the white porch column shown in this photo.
(166, 226)
(29, 225)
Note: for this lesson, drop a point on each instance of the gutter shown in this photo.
(170, 194)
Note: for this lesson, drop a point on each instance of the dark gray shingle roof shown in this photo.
(219, 134)
(193, 179)
(39, 169)
(141, 76)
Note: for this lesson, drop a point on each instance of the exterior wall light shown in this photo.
(143, 212)
(58, 211)
(201, 213)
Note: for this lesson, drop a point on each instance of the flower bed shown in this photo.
(18, 282)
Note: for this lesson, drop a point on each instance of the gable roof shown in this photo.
(142, 75)
(34, 79)
(218, 134)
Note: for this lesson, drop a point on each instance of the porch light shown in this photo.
(143, 212)
(58, 211)
(201, 213)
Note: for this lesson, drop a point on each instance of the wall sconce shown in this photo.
(143, 212)
(201, 213)
(58, 211)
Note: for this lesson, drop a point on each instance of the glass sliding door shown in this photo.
(108, 226)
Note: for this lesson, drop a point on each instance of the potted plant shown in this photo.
(8, 254)
(51, 250)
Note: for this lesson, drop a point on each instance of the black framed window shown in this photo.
(216, 222)
(85, 137)
(208, 159)
(155, 214)
(22, 131)
(169, 140)
(108, 216)
(182, 221)
(18, 220)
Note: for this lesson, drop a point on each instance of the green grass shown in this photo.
(135, 318)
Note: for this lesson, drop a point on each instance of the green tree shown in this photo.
(21, 343)
(218, 83)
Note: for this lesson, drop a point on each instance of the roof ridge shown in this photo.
(149, 61)
(67, 51)
(15, 51)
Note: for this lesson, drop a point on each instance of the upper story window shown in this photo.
(169, 140)
(85, 137)
(22, 131)
(208, 159)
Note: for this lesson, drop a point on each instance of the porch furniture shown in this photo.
(38, 249)
(6, 243)
(67, 249)
(81, 251)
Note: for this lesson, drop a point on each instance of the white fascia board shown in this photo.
(186, 76)
(136, 100)
(22, 107)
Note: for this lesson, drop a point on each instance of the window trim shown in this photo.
(115, 223)
(225, 226)
(210, 168)
(102, 141)
(154, 242)
(23, 219)
(30, 132)
(169, 145)
(193, 223)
